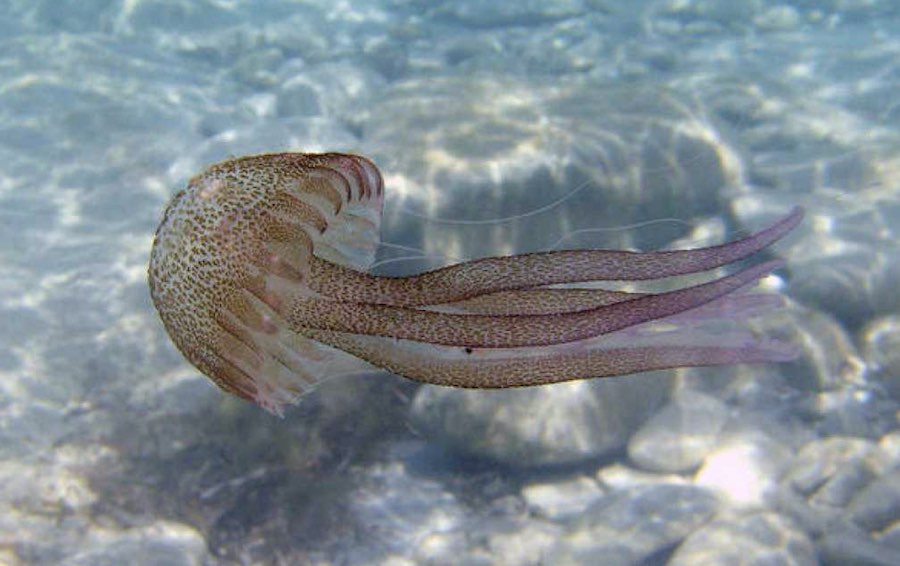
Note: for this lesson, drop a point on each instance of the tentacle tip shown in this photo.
(776, 351)
(274, 410)
(795, 216)
(275, 402)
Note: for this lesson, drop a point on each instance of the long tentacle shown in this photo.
(407, 359)
(558, 301)
(498, 331)
(495, 274)
(536, 301)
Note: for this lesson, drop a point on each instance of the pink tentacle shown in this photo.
(428, 364)
(536, 301)
(495, 274)
(493, 331)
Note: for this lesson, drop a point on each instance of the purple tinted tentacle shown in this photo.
(495, 274)
(494, 331)
(441, 366)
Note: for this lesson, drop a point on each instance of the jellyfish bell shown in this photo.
(243, 231)
(259, 273)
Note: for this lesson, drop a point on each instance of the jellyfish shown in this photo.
(260, 273)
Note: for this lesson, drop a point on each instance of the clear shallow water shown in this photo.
(715, 113)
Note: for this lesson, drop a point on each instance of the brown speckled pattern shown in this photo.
(212, 245)
(258, 271)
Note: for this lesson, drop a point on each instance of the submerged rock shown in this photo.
(830, 471)
(563, 424)
(476, 149)
(744, 469)
(630, 526)
(562, 499)
(880, 344)
(758, 538)
(163, 542)
(846, 491)
(679, 436)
